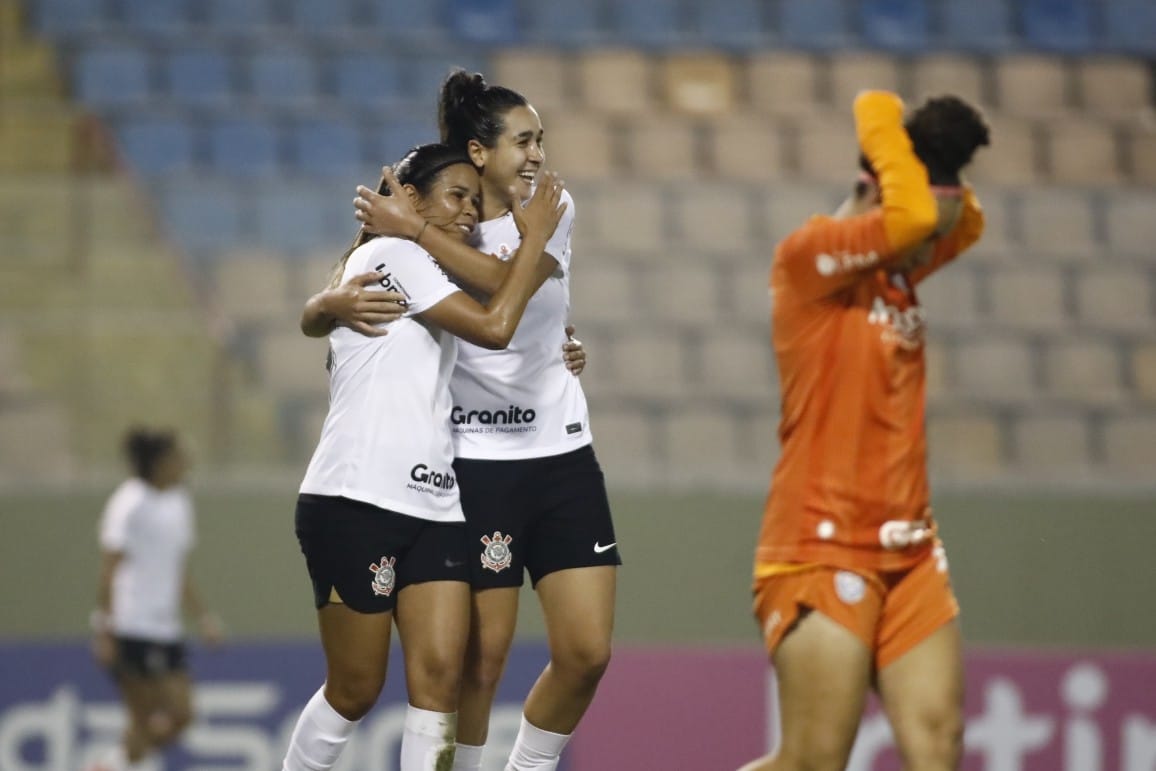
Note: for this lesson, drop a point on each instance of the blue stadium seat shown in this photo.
(156, 145)
(67, 17)
(1130, 26)
(428, 69)
(738, 24)
(156, 16)
(814, 23)
(897, 25)
(407, 19)
(367, 79)
(283, 76)
(1058, 25)
(327, 147)
(328, 16)
(648, 23)
(238, 16)
(296, 217)
(199, 76)
(574, 23)
(112, 75)
(205, 216)
(977, 25)
(245, 146)
(391, 137)
(485, 21)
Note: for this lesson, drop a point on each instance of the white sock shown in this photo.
(428, 740)
(468, 757)
(535, 749)
(319, 737)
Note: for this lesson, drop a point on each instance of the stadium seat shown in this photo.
(1142, 363)
(156, 17)
(964, 447)
(1130, 26)
(1084, 369)
(715, 218)
(67, 17)
(282, 76)
(1114, 86)
(1011, 157)
(1083, 152)
(1128, 442)
(699, 83)
(661, 147)
(563, 23)
(542, 75)
(998, 368)
(663, 285)
(895, 25)
(747, 291)
(647, 23)
(651, 363)
(327, 147)
(365, 79)
(1141, 144)
(329, 17)
(736, 366)
(1026, 297)
(704, 432)
(389, 138)
(938, 74)
(157, 145)
(616, 81)
(1053, 443)
(199, 76)
(626, 218)
(113, 75)
(1131, 228)
(252, 285)
(206, 216)
(822, 24)
(1057, 25)
(627, 441)
(290, 363)
(239, 16)
(428, 68)
(604, 292)
(784, 82)
(852, 72)
(487, 21)
(409, 20)
(951, 297)
(297, 217)
(787, 206)
(827, 149)
(245, 146)
(581, 146)
(1032, 85)
(1060, 223)
(977, 25)
(731, 24)
(747, 148)
(1117, 298)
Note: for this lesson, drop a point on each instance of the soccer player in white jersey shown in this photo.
(378, 516)
(532, 490)
(146, 534)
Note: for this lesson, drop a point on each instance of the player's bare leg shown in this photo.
(922, 693)
(492, 624)
(824, 674)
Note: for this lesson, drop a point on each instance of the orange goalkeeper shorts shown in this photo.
(890, 612)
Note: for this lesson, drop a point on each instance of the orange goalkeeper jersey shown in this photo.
(850, 488)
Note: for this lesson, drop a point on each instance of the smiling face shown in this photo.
(452, 203)
(513, 162)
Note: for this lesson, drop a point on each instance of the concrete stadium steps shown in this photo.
(28, 68)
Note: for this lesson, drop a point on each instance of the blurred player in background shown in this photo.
(533, 493)
(850, 580)
(378, 516)
(146, 534)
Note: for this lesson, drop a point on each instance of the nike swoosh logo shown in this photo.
(599, 548)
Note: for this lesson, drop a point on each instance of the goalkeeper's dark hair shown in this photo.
(945, 132)
(145, 447)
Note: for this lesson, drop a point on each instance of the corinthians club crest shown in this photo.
(496, 556)
(384, 576)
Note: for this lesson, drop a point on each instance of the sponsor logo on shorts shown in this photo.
(426, 480)
(496, 554)
(384, 576)
(850, 586)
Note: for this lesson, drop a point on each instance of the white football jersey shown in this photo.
(522, 402)
(153, 531)
(386, 439)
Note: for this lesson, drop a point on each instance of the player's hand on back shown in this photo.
(573, 353)
(362, 309)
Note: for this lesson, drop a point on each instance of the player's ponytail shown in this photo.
(468, 109)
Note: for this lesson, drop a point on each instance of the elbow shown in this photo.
(496, 336)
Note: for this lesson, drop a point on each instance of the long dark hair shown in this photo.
(469, 108)
(419, 167)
